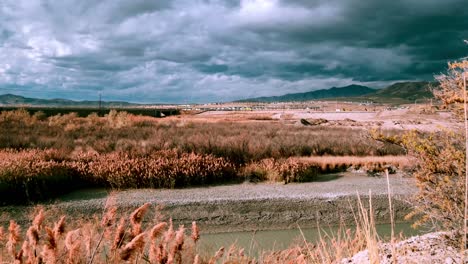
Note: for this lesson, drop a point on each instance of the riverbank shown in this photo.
(249, 206)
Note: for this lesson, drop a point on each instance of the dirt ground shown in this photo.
(401, 119)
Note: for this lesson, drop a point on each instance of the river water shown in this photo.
(260, 241)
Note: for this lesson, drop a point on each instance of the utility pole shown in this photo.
(100, 103)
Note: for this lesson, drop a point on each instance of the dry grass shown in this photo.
(367, 162)
(116, 237)
(237, 141)
(41, 157)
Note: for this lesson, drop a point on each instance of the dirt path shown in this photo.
(251, 206)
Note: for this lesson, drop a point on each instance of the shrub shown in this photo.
(441, 172)
(440, 178)
(118, 119)
(287, 170)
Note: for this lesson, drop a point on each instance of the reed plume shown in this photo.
(179, 238)
(38, 219)
(119, 234)
(28, 253)
(136, 245)
(155, 253)
(219, 254)
(195, 232)
(156, 231)
(33, 235)
(59, 227)
(13, 238)
(169, 234)
(110, 212)
(72, 244)
(136, 217)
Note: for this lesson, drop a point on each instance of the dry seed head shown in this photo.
(155, 251)
(109, 217)
(139, 213)
(195, 232)
(72, 238)
(48, 254)
(137, 244)
(219, 254)
(156, 231)
(72, 243)
(33, 235)
(231, 250)
(87, 238)
(136, 229)
(169, 234)
(59, 227)
(111, 211)
(13, 237)
(51, 239)
(119, 234)
(38, 219)
(27, 252)
(179, 238)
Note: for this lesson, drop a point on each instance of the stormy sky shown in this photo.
(220, 50)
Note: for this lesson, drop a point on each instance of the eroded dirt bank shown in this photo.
(249, 206)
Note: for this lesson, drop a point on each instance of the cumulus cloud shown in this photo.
(214, 50)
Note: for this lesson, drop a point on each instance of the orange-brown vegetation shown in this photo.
(30, 175)
(107, 240)
(441, 161)
(118, 237)
(237, 141)
(42, 157)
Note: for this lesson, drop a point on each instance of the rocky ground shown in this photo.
(440, 247)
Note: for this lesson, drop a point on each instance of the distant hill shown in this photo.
(16, 100)
(402, 92)
(335, 92)
(407, 90)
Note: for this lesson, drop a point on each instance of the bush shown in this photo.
(287, 170)
(440, 178)
(441, 172)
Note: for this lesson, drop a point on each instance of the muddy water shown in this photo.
(261, 241)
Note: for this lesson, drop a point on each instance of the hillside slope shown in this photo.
(347, 91)
(398, 93)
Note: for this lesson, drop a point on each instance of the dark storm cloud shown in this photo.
(205, 50)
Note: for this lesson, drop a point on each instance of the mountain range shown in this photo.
(398, 93)
(15, 100)
(402, 92)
